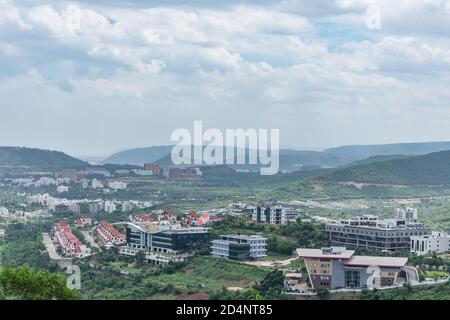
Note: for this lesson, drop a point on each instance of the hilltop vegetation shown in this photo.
(430, 169)
(38, 158)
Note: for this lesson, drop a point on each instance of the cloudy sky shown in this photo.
(91, 79)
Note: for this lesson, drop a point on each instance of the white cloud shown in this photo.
(301, 65)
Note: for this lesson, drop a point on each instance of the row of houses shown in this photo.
(70, 245)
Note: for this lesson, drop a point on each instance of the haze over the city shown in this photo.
(92, 79)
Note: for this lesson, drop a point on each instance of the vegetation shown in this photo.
(430, 169)
(16, 156)
(441, 292)
(24, 283)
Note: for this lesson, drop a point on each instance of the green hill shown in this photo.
(30, 157)
(430, 169)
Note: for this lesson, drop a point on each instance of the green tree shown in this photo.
(24, 283)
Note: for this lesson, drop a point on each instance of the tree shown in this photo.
(272, 285)
(24, 283)
(323, 293)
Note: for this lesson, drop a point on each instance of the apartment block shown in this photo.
(337, 268)
(406, 213)
(372, 234)
(239, 247)
(271, 214)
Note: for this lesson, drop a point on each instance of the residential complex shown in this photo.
(239, 247)
(370, 233)
(68, 242)
(437, 242)
(406, 213)
(337, 268)
(108, 234)
(271, 214)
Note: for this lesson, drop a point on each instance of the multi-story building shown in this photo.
(336, 268)
(167, 239)
(184, 173)
(271, 214)
(117, 185)
(109, 235)
(437, 242)
(68, 242)
(239, 247)
(372, 234)
(406, 213)
(70, 174)
(94, 207)
(153, 167)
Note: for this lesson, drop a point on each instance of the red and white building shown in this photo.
(68, 242)
(108, 234)
(83, 222)
(142, 218)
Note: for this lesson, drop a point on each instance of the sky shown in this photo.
(93, 77)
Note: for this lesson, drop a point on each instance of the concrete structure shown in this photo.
(370, 233)
(294, 282)
(239, 247)
(437, 242)
(336, 268)
(406, 213)
(271, 214)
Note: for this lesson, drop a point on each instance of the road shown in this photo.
(87, 236)
(62, 262)
(271, 263)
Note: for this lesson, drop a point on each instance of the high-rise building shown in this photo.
(271, 214)
(239, 247)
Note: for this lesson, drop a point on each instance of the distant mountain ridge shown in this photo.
(360, 152)
(292, 159)
(32, 157)
(429, 169)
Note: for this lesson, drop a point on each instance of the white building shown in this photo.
(271, 214)
(437, 242)
(109, 206)
(117, 185)
(95, 184)
(239, 247)
(4, 212)
(406, 213)
(61, 189)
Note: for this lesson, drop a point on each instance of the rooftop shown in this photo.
(340, 253)
(365, 261)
